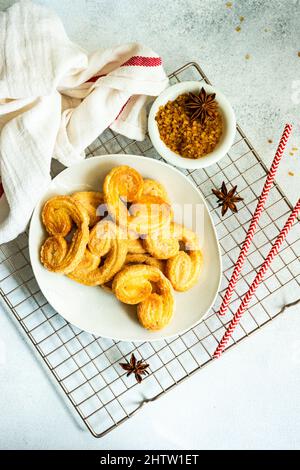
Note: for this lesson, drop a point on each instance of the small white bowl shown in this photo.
(227, 138)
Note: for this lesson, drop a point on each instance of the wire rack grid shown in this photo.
(87, 367)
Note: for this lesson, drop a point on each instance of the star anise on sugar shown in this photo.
(227, 199)
(138, 368)
(202, 106)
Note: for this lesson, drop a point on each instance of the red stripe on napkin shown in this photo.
(139, 60)
(136, 60)
(122, 108)
(1, 189)
(120, 111)
(95, 78)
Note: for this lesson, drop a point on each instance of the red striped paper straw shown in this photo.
(266, 264)
(255, 219)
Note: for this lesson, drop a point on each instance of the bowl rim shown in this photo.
(222, 148)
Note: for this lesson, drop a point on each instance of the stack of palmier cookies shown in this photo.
(125, 240)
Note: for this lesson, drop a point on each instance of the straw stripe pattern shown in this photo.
(272, 253)
(255, 219)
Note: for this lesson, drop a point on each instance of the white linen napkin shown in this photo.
(55, 99)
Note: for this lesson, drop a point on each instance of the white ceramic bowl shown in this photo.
(223, 146)
(99, 312)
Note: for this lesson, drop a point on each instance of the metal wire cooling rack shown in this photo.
(86, 367)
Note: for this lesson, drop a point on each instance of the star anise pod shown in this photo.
(202, 106)
(138, 368)
(227, 199)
